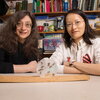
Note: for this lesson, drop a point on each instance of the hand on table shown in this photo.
(32, 65)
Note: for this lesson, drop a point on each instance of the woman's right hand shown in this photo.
(66, 64)
(32, 66)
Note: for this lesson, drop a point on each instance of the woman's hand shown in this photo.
(66, 64)
(32, 66)
(69, 68)
(69, 64)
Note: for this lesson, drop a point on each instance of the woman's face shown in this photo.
(75, 26)
(23, 28)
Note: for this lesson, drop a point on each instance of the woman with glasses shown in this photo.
(80, 52)
(19, 44)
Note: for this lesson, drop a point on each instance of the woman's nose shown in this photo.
(74, 25)
(23, 26)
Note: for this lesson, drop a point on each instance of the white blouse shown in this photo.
(77, 53)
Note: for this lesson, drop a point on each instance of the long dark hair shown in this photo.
(9, 39)
(88, 34)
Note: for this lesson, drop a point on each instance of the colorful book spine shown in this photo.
(38, 6)
(51, 44)
(24, 4)
(65, 5)
(52, 5)
(55, 5)
(74, 4)
(34, 6)
(61, 5)
(47, 5)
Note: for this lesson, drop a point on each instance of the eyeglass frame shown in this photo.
(77, 23)
(20, 24)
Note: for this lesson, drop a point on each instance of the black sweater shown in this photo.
(7, 60)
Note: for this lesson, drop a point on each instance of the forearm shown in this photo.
(71, 70)
(21, 68)
(88, 68)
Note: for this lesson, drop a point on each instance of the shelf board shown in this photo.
(47, 53)
(59, 13)
(59, 31)
(5, 16)
(53, 13)
(92, 11)
(13, 0)
(43, 13)
(97, 29)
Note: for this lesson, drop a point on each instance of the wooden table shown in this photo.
(72, 90)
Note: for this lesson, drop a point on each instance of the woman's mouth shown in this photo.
(73, 32)
(21, 32)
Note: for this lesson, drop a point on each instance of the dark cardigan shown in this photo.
(7, 60)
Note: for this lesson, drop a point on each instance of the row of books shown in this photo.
(64, 5)
(94, 21)
(50, 42)
(89, 4)
(17, 5)
(50, 24)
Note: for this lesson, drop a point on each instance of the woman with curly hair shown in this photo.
(19, 43)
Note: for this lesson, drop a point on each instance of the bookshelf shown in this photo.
(53, 14)
(52, 40)
(56, 9)
(57, 13)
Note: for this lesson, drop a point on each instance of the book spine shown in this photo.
(66, 5)
(38, 6)
(52, 5)
(48, 6)
(24, 4)
(74, 4)
(61, 5)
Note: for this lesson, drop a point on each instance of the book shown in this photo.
(34, 6)
(74, 4)
(95, 7)
(98, 5)
(51, 44)
(37, 6)
(65, 5)
(92, 20)
(47, 5)
(24, 4)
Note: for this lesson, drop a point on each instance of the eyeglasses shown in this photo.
(77, 23)
(27, 25)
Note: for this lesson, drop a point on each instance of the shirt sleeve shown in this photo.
(5, 67)
(97, 51)
(57, 56)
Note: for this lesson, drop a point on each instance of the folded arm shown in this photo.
(93, 69)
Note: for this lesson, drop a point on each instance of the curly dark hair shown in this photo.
(88, 34)
(9, 39)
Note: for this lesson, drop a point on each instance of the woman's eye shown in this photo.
(28, 25)
(77, 22)
(68, 24)
(18, 24)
